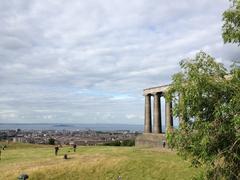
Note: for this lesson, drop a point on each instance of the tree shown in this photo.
(128, 142)
(51, 141)
(231, 26)
(209, 107)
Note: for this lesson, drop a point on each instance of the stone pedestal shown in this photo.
(150, 140)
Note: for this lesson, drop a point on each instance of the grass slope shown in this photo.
(99, 162)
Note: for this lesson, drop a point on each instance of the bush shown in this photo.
(51, 141)
(129, 142)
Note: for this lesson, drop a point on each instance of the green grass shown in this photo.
(99, 162)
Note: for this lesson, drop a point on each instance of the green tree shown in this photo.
(209, 134)
(128, 142)
(231, 26)
(51, 141)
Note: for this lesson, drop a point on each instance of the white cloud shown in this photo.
(66, 60)
(120, 97)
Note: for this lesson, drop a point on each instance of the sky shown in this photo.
(79, 61)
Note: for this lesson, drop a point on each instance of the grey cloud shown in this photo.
(80, 61)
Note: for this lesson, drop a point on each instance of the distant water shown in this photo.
(71, 127)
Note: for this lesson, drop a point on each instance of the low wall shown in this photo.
(150, 140)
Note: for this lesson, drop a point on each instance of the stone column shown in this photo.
(157, 124)
(168, 114)
(181, 104)
(148, 122)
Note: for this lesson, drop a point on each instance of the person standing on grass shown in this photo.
(74, 147)
(164, 143)
(56, 150)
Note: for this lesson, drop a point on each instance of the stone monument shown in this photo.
(153, 135)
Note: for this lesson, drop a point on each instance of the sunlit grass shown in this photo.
(98, 162)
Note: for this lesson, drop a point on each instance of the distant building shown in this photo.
(18, 138)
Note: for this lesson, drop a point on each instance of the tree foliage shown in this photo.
(209, 106)
(231, 26)
(51, 141)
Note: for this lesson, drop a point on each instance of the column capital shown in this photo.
(160, 94)
(147, 95)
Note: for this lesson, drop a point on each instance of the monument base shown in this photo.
(150, 140)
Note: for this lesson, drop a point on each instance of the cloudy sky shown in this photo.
(79, 61)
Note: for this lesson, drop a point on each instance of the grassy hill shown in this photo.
(99, 162)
